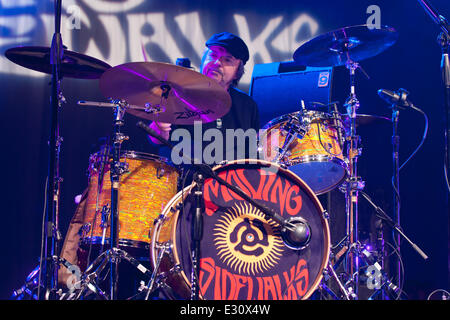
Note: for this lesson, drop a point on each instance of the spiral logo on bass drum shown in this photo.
(246, 241)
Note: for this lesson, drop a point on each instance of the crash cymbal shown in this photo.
(73, 64)
(166, 92)
(349, 44)
(364, 119)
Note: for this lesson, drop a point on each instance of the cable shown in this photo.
(42, 239)
(425, 133)
(443, 294)
(402, 277)
(423, 137)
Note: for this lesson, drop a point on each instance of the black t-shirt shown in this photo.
(232, 137)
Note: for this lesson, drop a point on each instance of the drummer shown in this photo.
(223, 60)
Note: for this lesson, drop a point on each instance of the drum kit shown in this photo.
(245, 229)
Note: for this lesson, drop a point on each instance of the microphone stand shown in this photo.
(396, 183)
(49, 264)
(382, 215)
(444, 43)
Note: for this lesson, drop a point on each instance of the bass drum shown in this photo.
(242, 253)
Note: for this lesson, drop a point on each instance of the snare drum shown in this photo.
(242, 253)
(146, 186)
(308, 144)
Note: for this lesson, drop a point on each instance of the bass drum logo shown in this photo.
(246, 241)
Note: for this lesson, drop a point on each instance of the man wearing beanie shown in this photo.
(224, 58)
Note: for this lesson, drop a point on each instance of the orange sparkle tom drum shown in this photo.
(307, 143)
(146, 186)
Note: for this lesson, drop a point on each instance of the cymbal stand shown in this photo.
(90, 276)
(114, 254)
(48, 271)
(328, 273)
(353, 185)
(117, 169)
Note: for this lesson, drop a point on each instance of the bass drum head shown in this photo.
(243, 256)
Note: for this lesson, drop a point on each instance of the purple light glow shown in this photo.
(136, 73)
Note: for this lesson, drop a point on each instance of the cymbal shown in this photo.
(166, 92)
(349, 44)
(364, 119)
(73, 64)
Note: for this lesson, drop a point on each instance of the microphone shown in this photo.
(399, 98)
(149, 131)
(296, 233)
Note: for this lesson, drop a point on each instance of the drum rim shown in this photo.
(133, 154)
(139, 155)
(97, 240)
(285, 117)
(176, 199)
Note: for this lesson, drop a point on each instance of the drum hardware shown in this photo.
(112, 256)
(29, 289)
(48, 270)
(354, 182)
(345, 292)
(104, 156)
(153, 279)
(197, 234)
(337, 122)
(296, 129)
(106, 215)
(160, 173)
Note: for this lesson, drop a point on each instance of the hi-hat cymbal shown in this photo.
(73, 64)
(349, 44)
(166, 92)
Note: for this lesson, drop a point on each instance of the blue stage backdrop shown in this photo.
(124, 31)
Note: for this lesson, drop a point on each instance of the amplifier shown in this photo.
(278, 88)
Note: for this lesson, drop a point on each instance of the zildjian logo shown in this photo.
(190, 114)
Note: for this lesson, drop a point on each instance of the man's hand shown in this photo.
(161, 128)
